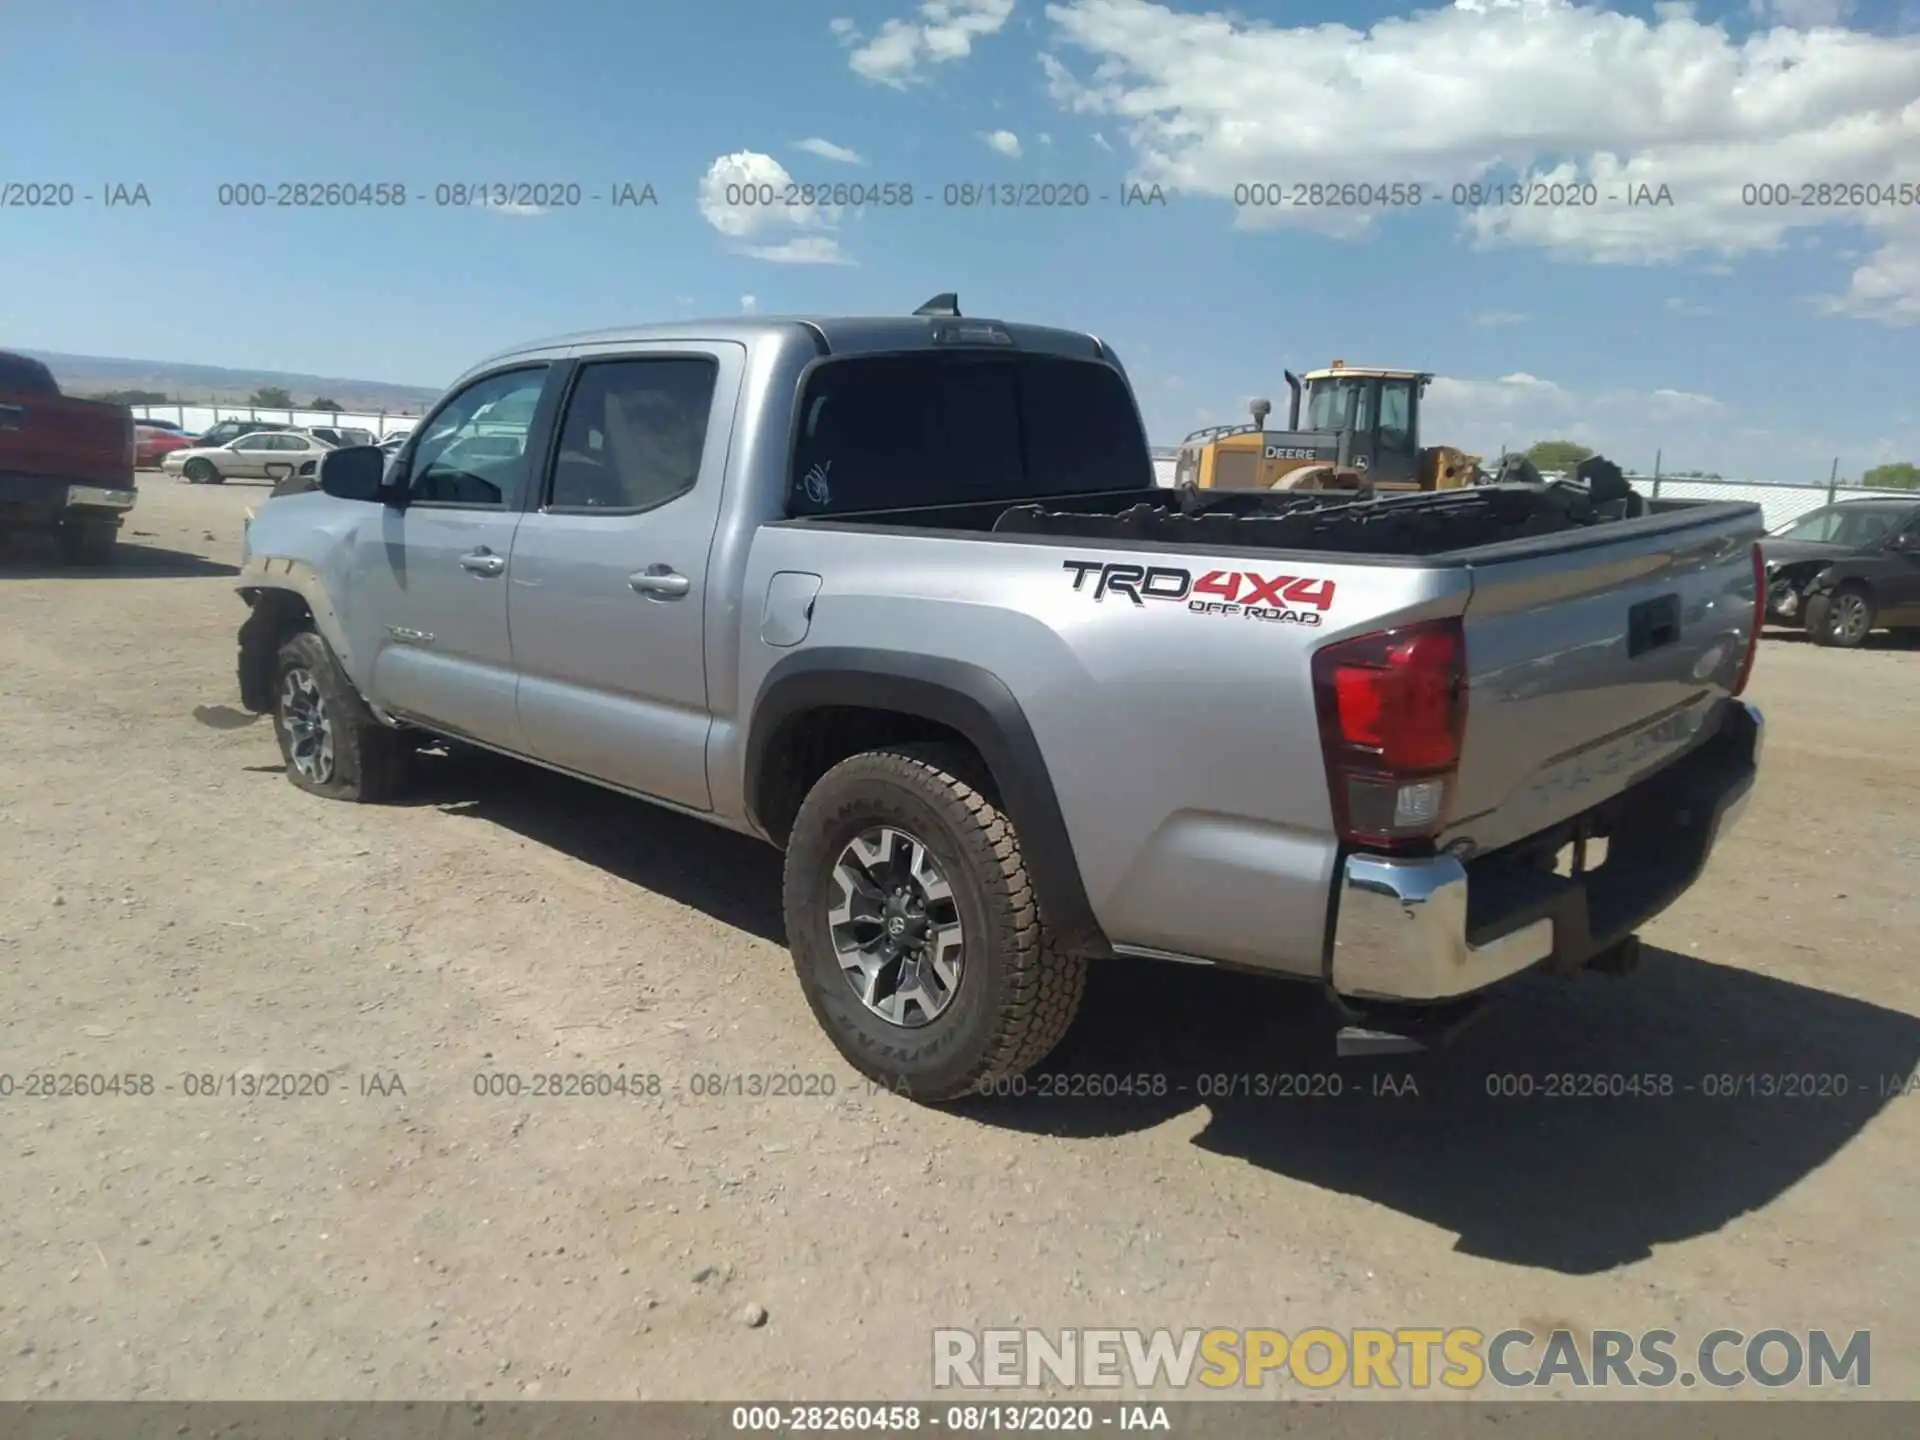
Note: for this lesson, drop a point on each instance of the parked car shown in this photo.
(66, 465)
(902, 598)
(173, 425)
(341, 436)
(258, 456)
(153, 443)
(227, 431)
(1846, 570)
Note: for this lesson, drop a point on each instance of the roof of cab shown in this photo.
(839, 334)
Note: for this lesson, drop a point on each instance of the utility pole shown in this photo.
(1833, 479)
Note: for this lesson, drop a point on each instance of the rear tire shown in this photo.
(1843, 618)
(86, 542)
(1015, 995)
(329, 740)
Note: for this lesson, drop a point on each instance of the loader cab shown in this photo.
(1378, 410)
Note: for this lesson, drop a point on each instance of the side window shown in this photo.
(1082, 433)
(286, 442)
(899, 430)
(253, 443)
(475, 450)
(1396, 416)
(633, 433)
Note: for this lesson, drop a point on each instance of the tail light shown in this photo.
(1759, 619)
(1393, 712)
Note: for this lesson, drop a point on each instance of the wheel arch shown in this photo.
(819, 706)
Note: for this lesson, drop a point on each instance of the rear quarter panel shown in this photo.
(1183, 746)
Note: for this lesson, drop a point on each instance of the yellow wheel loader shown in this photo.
(1361, 432)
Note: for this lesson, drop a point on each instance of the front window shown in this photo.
(1856, 526)
(475, 453)
(1340, 405)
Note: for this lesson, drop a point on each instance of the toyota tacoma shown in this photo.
(900, 596)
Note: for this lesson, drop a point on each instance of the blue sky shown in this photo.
(1749, 339)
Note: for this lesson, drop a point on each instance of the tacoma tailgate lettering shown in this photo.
(1286, 599)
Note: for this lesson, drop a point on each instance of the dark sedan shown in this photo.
(1846, 570)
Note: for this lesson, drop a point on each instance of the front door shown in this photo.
(430, 583)
(608, 587)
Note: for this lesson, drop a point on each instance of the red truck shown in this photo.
(66, 465)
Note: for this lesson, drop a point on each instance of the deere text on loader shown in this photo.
(1361, 432)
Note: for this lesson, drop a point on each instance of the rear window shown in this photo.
(878, 432)
(20, 375)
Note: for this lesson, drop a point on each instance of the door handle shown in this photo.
(660, 580)
(483, 562)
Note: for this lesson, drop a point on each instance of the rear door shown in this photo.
(608, 596)
(429, 590)
(1593, 659)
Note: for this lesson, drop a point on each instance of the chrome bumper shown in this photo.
(99, 498)
(1401, 931)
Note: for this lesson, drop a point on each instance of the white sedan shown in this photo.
(262, 455)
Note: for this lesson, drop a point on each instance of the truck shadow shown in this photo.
(730, 877)
(1746, 1085)
(24, 560)
(1471, 1138)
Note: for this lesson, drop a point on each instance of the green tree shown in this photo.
(321, 402)
(132, 397)
(1557, 454)
(270, 397)
(1902, 476)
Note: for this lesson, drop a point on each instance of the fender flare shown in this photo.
(964, 698)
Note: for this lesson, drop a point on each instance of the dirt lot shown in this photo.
(170, 906)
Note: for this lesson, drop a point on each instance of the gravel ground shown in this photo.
(171, 907)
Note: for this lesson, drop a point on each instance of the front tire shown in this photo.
(1844, 618)
(329, 740)
(914, 927)
(200, 472)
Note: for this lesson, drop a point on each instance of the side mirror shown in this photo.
(354, 473)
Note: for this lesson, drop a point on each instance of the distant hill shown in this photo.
(218, 385)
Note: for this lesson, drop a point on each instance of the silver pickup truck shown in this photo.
(901, 596)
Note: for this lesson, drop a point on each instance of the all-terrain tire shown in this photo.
(1017, 994)
(366, 761)
(1843, 618)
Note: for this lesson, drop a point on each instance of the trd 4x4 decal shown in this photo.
(1286, 599)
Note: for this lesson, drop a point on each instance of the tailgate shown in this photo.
(50, 436)
(1594, 658)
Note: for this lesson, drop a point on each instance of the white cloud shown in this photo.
(827, 150)
(740, 196)
(1517, 410)
(1679, 306)
(1801, 14)
(1496, 319)
(941, 32)
(748, 304)
(1004, 141)
(505, 207)
(1560, 94)
(1101, 141)
(842, 26)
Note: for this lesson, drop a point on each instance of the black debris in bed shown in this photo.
(1424, 524)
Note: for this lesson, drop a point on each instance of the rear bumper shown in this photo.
(44, 499)
(1437, 929)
